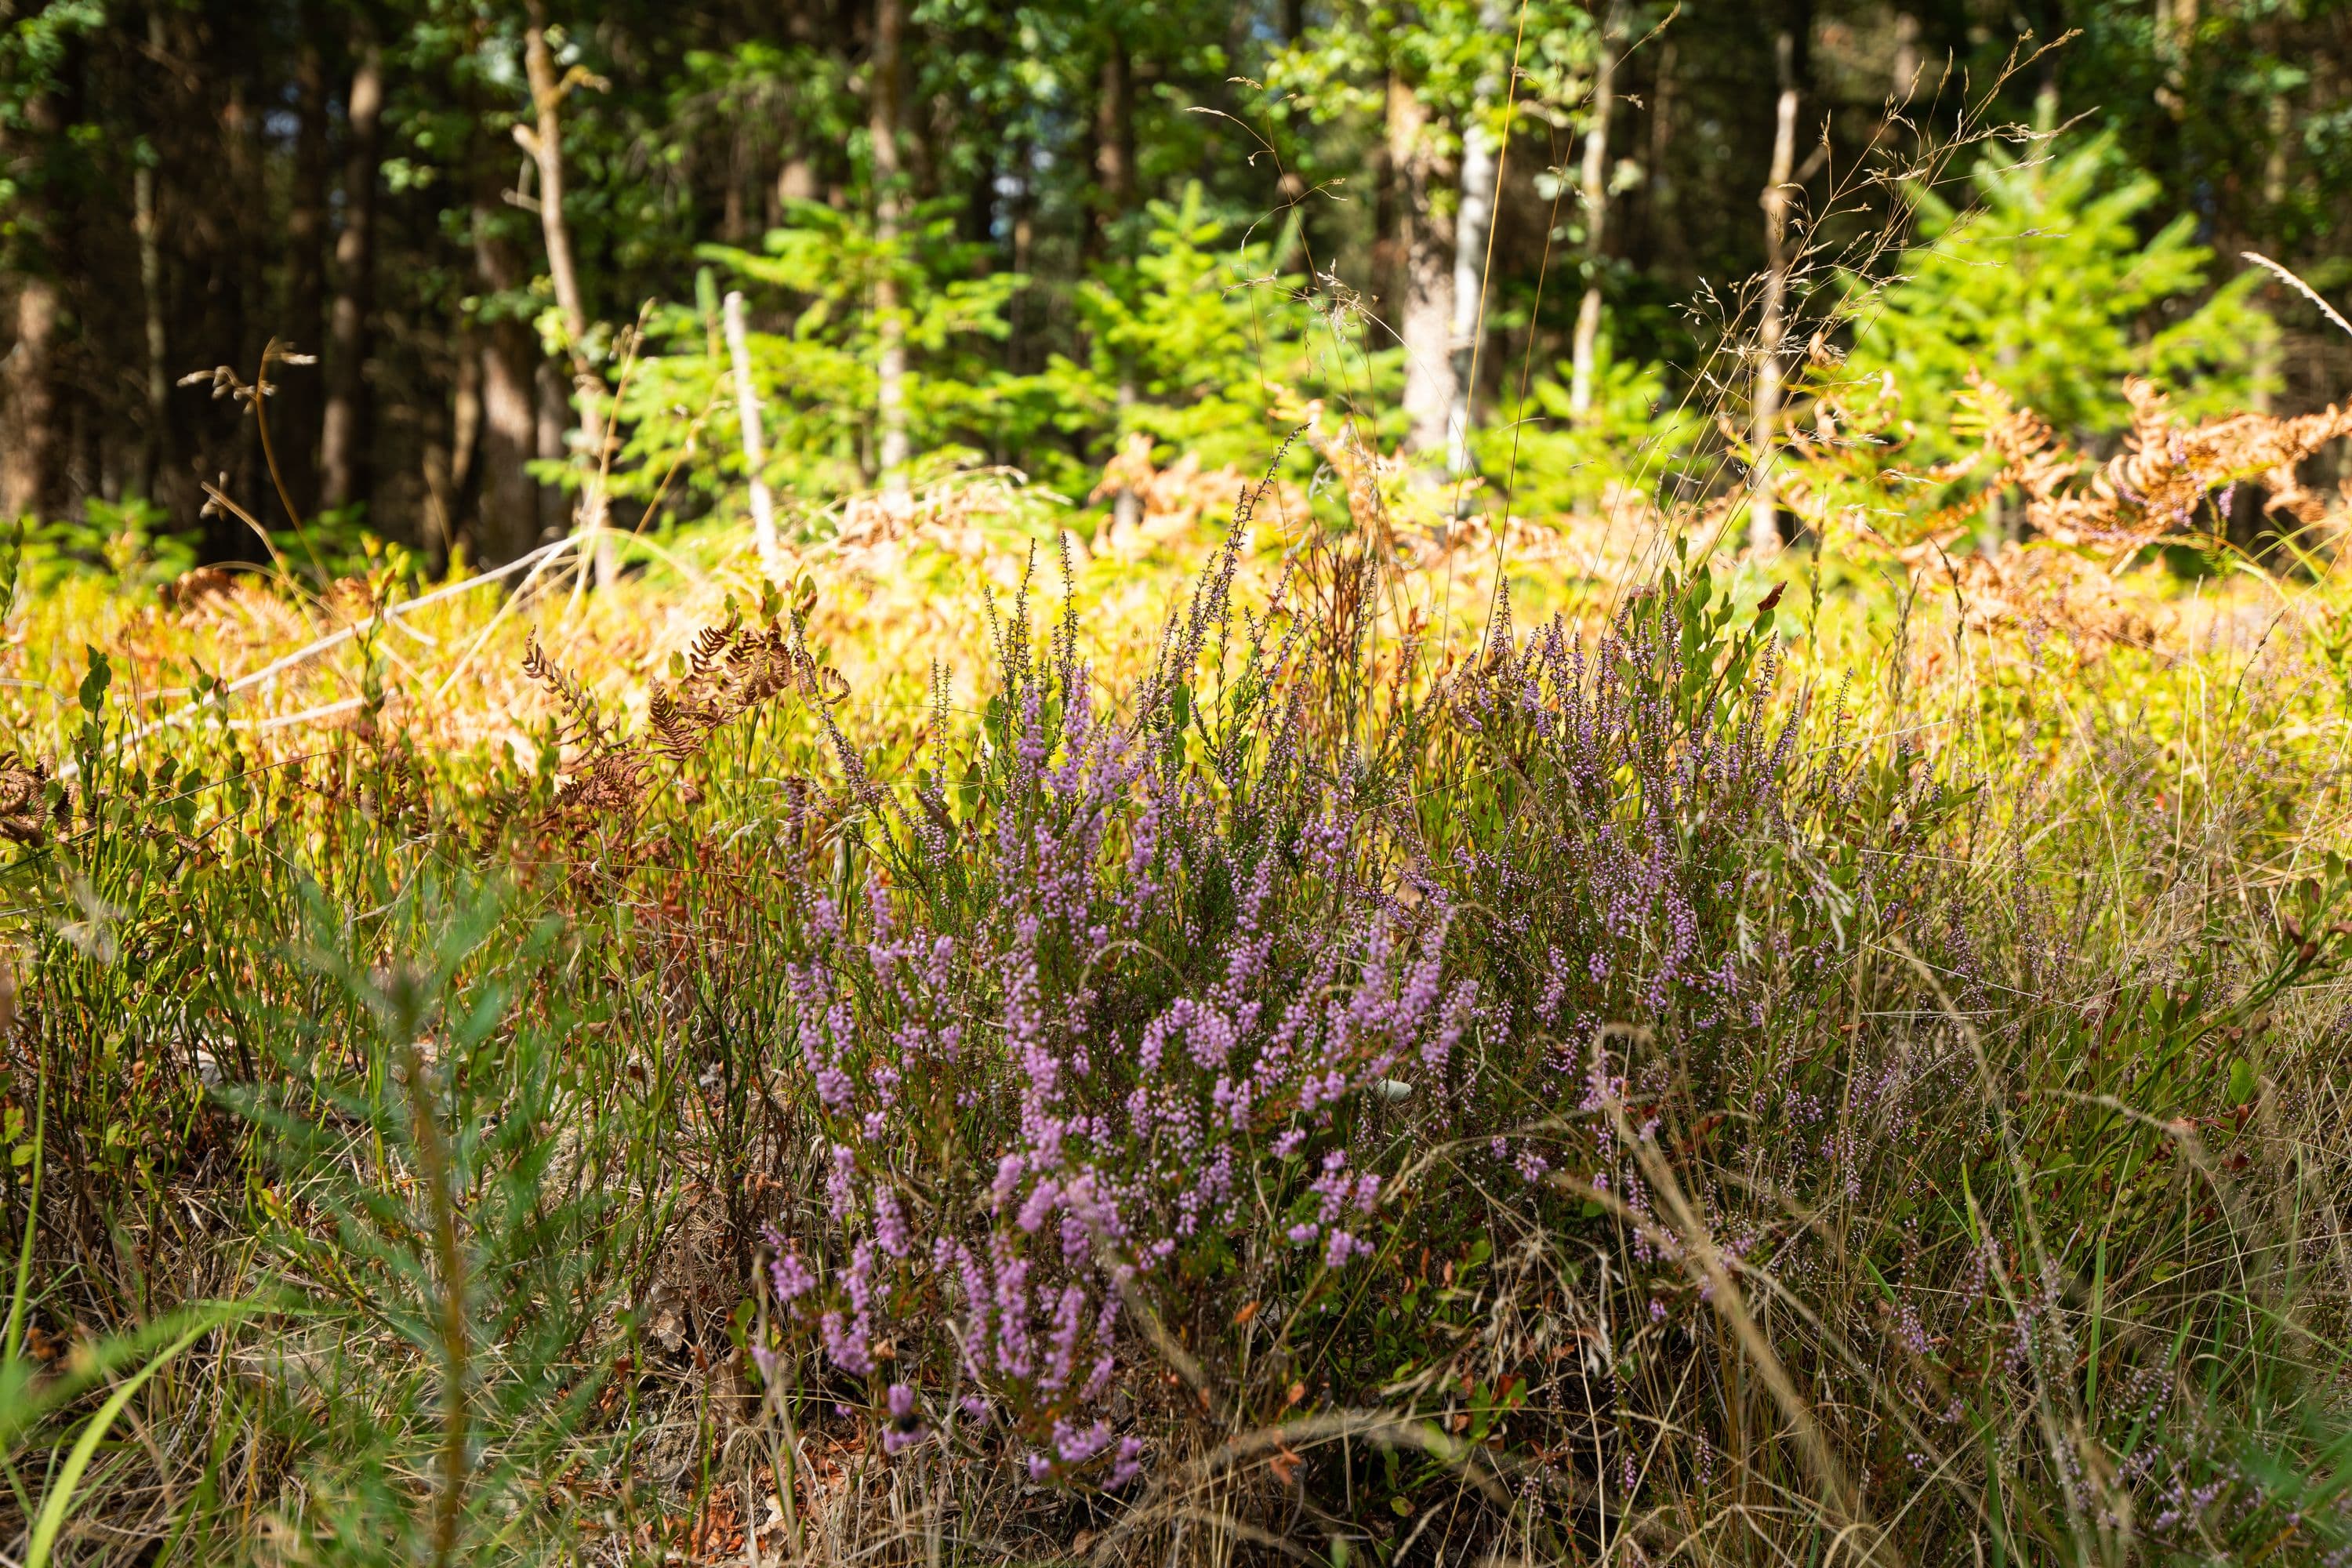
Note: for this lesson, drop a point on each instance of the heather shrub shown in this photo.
(1144, 1044)
(1110, 1028)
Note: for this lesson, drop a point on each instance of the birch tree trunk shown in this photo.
(891, 447)
(1593, 180)
(755, 455)
(1481, 169)
(1425, 309)
(1763, 516)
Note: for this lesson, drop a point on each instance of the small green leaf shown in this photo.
(2241, 1081)
(94, 684)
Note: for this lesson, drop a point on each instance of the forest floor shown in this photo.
(1839, 1055)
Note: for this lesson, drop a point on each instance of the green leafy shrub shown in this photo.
(816, 378)
(2046, 286)
(1556, 463)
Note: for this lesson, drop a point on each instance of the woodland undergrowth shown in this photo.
(1593, 1092)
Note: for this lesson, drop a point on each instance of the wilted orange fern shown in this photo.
(726, 672)
(2152, 490)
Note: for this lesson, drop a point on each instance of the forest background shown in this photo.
(980, 232)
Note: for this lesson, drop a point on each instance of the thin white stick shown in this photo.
(747, 413)
(545, 554)
(391, 613)
(282, 720)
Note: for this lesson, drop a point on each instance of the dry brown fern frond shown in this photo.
(190, 588)
(609, 791)
(709, 646)
(726, 671)
(2152, 490)
(583, 726)
(679, 725)
(2042, 587)
(23, 811)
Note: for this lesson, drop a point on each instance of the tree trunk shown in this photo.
(551, 401)
(1115, 175)
(1114, 134)
(246, 200)
(2266, 368)
(147, 232)
(1386, 279)
(545, 145)
(31, 452)
(1661, 238)
(343, 444)
(465, 445)
(156, 338)
(508, 439)
(1906, 58)
(1473, 229)
(1594, 182)
(296, 414)
(1425, 257)
(891, 445)
(29, 456)
(1763, 518)
(796, 181)
(755, 455)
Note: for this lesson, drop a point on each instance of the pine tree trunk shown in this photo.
(1661, 237)
(29, 455)
(1474, 225)
(552, 401)
(1114, 134)
(1387, 270)
(1594, 182)
(156, 337)
(30, 451)
(891, 444)
(1763, 516)
(465, 449)
(343, 444)
(189, 233)
(508, 440)
(2265, 368)
(147, 232)
(545, 145)
(1114, 173)
(246, 200)
(296, 414)
(1425, 313)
